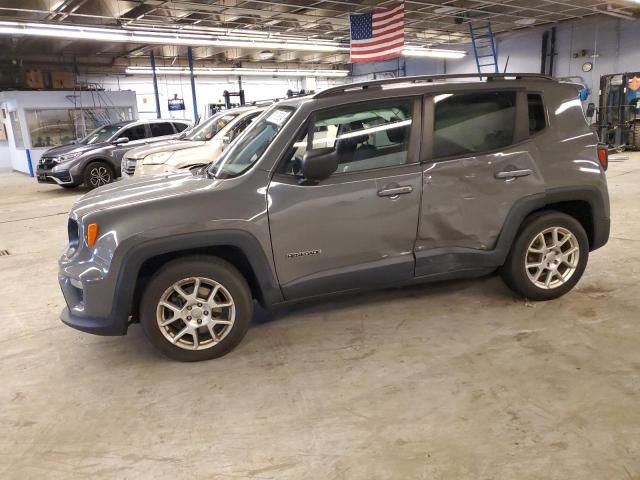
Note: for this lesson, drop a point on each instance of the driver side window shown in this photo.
(362, 137)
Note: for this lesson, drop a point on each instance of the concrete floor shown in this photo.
(447, 381)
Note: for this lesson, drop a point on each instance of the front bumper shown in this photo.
(54, 177)
(82, 310)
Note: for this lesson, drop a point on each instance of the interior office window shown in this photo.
(135, 133)
(537, 117)
(16, 129)
(362, 138)
(51, 127)
(467, 124)
(161, 129)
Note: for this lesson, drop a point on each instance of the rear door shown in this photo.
(482, 162)
(137, 134)
(356, 228)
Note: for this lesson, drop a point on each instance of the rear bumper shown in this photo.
(601, 230)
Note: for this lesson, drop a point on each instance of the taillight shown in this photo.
(603, 156)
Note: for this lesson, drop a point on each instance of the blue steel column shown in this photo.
(155, 84)
(193, 84)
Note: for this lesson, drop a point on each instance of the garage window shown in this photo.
(474, 123)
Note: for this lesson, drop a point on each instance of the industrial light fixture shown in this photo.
(232, 71)
(433, 52)
(75, 32)
(525, 21)
(266, 55)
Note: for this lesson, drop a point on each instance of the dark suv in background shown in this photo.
(95, 160)
(360, 186)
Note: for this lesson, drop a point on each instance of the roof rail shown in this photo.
(427, 79)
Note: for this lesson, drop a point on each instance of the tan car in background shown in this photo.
(200, 146)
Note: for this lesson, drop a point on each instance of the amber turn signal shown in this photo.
(92, 234)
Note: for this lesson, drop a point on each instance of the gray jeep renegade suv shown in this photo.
(359, 186)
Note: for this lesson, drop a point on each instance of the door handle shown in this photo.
(395, 191)
(514, 173)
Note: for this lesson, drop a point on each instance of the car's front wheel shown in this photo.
(97, 174)
(196, 308)
(548, 256)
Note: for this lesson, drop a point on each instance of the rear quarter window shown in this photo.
(473, 123)
(537, 117)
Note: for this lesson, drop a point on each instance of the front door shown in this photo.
(356, 228)
(483, 162)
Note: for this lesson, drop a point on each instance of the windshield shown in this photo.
(101, 135)
(243, 153)
(210, 128)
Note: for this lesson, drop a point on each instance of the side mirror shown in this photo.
(121, 140)
(319, 164)
(591, 110)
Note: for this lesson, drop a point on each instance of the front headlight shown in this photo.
(157, 158)
(68, 156)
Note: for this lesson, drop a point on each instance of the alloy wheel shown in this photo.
(195, 313)
(552, 257)
(99, 176)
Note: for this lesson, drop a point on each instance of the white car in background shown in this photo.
(200, 146)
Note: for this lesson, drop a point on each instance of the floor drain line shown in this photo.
(4, 253)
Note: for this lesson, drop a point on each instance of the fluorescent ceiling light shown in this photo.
(433, 53)
(445, 10)
(249, 72)
(74, 32)
(525, 21)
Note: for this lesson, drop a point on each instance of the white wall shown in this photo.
(616, 41)
(209, 89)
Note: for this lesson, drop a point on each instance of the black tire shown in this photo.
(96, 174)
(206, 267)
(514, 271)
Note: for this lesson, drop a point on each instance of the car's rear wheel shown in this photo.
(548, 256)
(197, 308)
(97, 174)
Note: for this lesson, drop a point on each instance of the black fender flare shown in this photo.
(129, 263)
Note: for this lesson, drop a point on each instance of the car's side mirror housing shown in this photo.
(319, 164)
(121, 140)
(591, 110)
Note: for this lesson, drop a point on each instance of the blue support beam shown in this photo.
(193, 84)
(155, 84)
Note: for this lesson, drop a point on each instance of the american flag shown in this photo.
(377, 35)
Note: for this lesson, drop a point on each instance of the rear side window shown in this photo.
(180, 126)
(468, 124)
(161, 129)
(537, 118)
(135, 133)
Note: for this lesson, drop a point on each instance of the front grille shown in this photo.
(129, 166)
(72, 228)
(47, 163)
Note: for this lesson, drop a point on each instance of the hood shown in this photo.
(139, 190)
(71, 147)
(166, 146)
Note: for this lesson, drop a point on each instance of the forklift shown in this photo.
(618, 116)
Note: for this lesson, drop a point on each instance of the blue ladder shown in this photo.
(484, 48)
